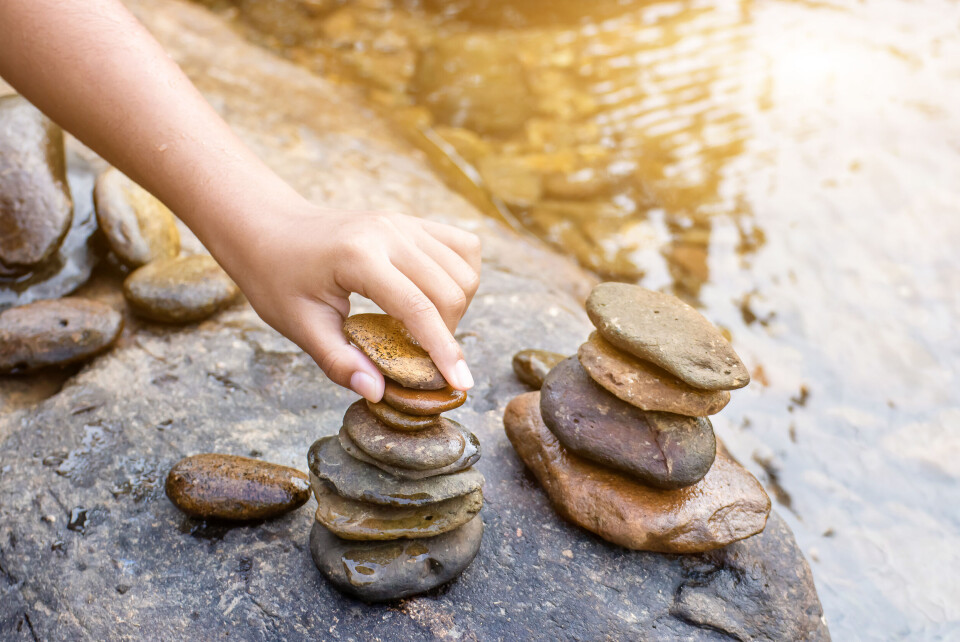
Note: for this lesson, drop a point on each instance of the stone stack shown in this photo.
(398, 497)
(619, 434)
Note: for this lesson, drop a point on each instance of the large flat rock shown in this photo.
(90, 548)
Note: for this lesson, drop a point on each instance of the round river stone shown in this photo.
(532, 366)
(179, 290)
(644, 385)
(421, 402)
(358, 480)
(350, 519)
(661, 449)
(230, 487)
(395, 352)
(377, 571)
(139, 228)
(663, 329)
(427, 449)
(55, 333)
(400, 420)
(471, 453)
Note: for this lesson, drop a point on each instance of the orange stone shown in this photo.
(422, 402)
(393, 349)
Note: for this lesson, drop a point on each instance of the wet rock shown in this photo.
(139, 228)
(427, 449)
(644, 385)
(378, 571)
(55, 333)
(349, 519)
(399, 420)
(473, 81)
(179, 290)
(35, 204)
(727, 505)
(360, 481)
(663, 329)
(215, 486)
(532, 366)
(470, 455)
(411, 401)
(395, 352)
(658, 448)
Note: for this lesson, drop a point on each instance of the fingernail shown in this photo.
(462, 373)
(364, 385)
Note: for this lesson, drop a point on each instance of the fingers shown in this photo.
(453, 264)
(444, 292)
(464, 243)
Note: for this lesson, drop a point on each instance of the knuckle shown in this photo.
(472, 283)
(418, 305)
(455, 300)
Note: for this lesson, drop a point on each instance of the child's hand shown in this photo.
(298, 269)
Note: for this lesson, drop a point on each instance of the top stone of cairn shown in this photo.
(395, 352)
(666, 331)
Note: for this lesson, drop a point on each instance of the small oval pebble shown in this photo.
(395, 352)
(179, 290)
(230, 487)
(532, 366)
(434, 447)
(55, 333)
(421, 402)
(400, 420)
(470, 456)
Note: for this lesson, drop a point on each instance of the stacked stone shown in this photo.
(397, 492)
(619, 434)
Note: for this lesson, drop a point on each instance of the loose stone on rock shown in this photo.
(532, 366)
(727, 505)
(55, 333)
(470, 455)
(400, 420)
(179, 290)
(230, 487)
(139, 228)
(411, 401)
(427, 449)
(377, 571)
(663, 329)
(645, 385)
(661, 449)
(395, 352)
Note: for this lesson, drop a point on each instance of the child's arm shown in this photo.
(97, 72)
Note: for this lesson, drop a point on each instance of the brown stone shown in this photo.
(179, 290)
(139, 228)
(421, 402)
(664, 330)
(395, 352)
(434, 447)
(400, 420)
(55, 333)
(470, 455)
(35, 205)
(532, 366)
(644, 385)
(658, 448)
(727, 505)
(350, 519)
(230, 487)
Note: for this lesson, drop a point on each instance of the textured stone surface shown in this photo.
(351, 519)
(361, 481)
(35, 204)
(55, 333)
(179, 290)
(218, 486)
(378, 571)
(434, 447)
(398, 420)
(390, 346)
(644, 385)
(658, 448)
(138, 227)
(532, 366)
(469, 456)
(663, 329)
(101, 445)
(725, 506)
(421, 402)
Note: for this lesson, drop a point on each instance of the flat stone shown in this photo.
(663, 329)
(35, 204)
(727, 505)
(351, 519)
(138, 227)
(644, 385)
(411, 401)
(427, 449)
(379, 571)
(393, 349)
(660, 449)
(400, 420)
(532, 366)
(212, 485)
(55, 333)
(179, 290)
(470, 456)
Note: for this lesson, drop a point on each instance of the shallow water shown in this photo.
(792, 168)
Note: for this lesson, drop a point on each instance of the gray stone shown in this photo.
(434, 447)
(469, 456)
